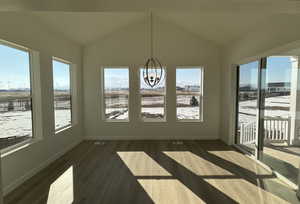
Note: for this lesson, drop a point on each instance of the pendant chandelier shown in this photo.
(153, 71)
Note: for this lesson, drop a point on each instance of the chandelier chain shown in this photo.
(151, 34)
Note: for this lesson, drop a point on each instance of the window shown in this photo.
(153, 99)
(116, 93)
(15, 95)
(62, 94)
(247, 100)
(189, 93)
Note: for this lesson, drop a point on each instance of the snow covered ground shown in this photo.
(188, 113)
(15, 123)
(153, 107)
(18, 123)
(277, 106)
(62, 118)
(182, 112)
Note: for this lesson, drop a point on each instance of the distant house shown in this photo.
(191, 88)
(247, 88)
(178, 88)
(279, 87)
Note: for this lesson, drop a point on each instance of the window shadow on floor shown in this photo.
(137, 172)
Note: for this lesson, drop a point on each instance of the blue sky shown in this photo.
(15, 73)
(14, 68)
(188, 77)
(61, 75)
(116, 78)
(278, 70)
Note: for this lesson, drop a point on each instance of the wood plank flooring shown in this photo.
(144, 172)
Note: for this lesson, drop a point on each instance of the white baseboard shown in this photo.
(115, 137)
(9, 188)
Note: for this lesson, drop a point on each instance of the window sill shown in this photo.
(190, 121)
(62, 129)
(116, 121)
(14, 148)
(154, 120)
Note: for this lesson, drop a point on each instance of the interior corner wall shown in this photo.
(25, 30)
(129, 47)
(273, 37)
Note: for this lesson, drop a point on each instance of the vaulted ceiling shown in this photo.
(85, 27)
(219, 21)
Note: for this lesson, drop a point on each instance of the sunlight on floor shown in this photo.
(240, 160)
(61, 190)
(243, 191)
(196, 164)
(141, 164)
(166, 191)
(289, 158)
(221, 178)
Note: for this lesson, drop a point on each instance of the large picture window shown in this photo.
(62, 94)
(153, 99)
(189, 93)
(116, 93)
(15, 95)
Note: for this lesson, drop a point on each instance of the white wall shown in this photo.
(173, 46)
(274, 37)
(27, 31)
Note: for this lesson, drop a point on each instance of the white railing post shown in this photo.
(298, 192)
(289, 139)
(241, 133)
(295, 105)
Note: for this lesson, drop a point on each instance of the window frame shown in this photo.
(35, 98)
(140, 97)
(63, 128)
(102, 93)
(200, 97)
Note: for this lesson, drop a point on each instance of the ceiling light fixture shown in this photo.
(153, 71)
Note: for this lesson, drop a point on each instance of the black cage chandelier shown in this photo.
(153, 71)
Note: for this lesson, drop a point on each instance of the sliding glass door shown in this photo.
(247, 106)
(268, 112)
(278, 148)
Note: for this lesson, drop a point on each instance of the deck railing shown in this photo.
(248, 133)
(276, 129)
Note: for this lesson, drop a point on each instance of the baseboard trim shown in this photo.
(12, 186)
(150, 138)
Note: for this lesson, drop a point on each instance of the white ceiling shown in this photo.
(219, 28)
(85, 27)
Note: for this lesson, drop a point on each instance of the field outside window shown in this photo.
(189, 93)
(15, 96)
(153, 99)
(62, 94)
(116, 94)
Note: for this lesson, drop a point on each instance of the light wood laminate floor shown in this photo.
(141, 172)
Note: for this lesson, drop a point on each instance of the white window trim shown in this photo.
(200, 98)
(36, 99)
(140, 98)
(102, 92)
(72, 83)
